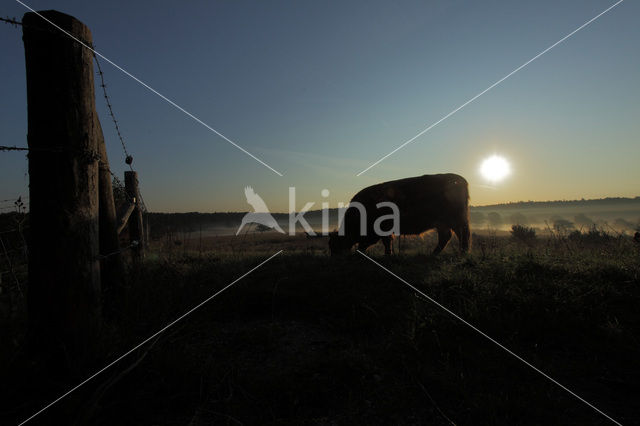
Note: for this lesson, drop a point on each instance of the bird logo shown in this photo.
(260, 213)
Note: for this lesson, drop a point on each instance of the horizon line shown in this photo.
(507, 203)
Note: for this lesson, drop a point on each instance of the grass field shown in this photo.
(310, 339)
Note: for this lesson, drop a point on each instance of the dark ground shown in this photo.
(308, 339)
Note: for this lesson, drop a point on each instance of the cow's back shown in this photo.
(424, 202)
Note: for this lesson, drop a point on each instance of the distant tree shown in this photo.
(518, 219)
(494, 219)
(593, 235)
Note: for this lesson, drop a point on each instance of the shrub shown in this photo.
(593, 235)
(523, 233)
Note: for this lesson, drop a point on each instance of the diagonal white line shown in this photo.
(154, 335)
(490, 87)
(172, 103)
(500, 345)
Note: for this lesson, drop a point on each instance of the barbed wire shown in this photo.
(14, 22)
(17, 204)
(11, 21)
(128, 156)
(14, 200)
(12, 148)
(88, 154)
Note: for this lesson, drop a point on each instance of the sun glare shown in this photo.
(495, 168)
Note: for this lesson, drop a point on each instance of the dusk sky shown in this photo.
(320, 90)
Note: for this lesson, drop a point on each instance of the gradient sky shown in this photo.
(320, 90)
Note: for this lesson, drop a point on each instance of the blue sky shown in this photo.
(320, 90)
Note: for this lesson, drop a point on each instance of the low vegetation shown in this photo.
(523, 233)
(310, 339)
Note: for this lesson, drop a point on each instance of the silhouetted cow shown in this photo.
(424, 202)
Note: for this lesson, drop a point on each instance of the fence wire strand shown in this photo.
(11, 21)
(113, 117)
(103, 85)
(128, 158)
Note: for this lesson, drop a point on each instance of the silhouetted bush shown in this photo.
(594, 235)
(523, 233)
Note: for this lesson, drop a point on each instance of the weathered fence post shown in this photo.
(135, 220)
(111, 265)
(64, 270)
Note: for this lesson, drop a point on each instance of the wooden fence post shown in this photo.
(135, 220)
(111, 265)
(64, 270)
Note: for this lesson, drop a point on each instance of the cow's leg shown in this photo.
(444, 235)
(464, 236)
(388, 244)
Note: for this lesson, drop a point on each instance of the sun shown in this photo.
(495, 168)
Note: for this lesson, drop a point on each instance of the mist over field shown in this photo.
(613, 214)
